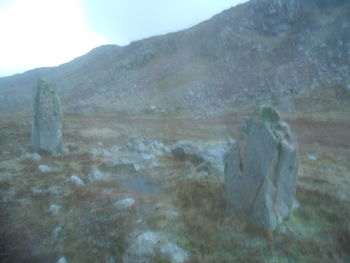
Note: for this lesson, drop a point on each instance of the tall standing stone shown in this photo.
(261, 171)
(47, 124)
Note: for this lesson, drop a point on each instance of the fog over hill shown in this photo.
(260, 51)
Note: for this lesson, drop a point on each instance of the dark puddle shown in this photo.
(139, 185)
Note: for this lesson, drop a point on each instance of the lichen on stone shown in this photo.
(269, 114)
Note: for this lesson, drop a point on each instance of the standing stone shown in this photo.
(47, 124)
(261, 171)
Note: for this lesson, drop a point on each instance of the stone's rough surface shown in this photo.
(261, 171)
(47, 124)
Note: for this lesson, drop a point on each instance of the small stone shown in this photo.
(32, 156)
(146, 245)
(114, 148)
(44, 168)
(328, 169)
(37, 191)
(312, 157)
(75, 180)
(54, 209)
(56, 231)
(125, 203)
(95, 175)
(105, 153)
(174, 253)
(62, 260)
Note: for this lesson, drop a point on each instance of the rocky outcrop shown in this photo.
(283, 10)
(261, 171)
(47, 124)
(259, 52)
(274, 16)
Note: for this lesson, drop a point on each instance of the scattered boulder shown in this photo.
(54, 209)
(261, 171)
(75, 180)
(147, 245)
(210, 156)
(30, 156)
(44, 168)
(95, 175)
(147, 146)
(47, 124)
(62, 260)
(125, 203)
(312, 157)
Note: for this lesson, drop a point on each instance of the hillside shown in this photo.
(261, 51)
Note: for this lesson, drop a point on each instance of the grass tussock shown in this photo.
(213, 235)
(315, 233)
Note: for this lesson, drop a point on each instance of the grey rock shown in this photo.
(54, 209)
(261, 171)
(142, 248)
(47, 124)
(312, 157)
(125, 203)
(114, 148)
(147, 146)
(148, 244)
(174, 253)
(211, 155)
(56, 232)
(75, 180)
(38, 191)
(31, 156)
(62, 260)
(95, 175)
(44, 168)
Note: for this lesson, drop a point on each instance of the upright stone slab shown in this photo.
(261, 171)
(47, 124)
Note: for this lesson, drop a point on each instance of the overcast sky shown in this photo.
(37, 33)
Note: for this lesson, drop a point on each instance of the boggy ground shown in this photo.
(43, 217)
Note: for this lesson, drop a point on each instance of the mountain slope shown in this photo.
(264, 50)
